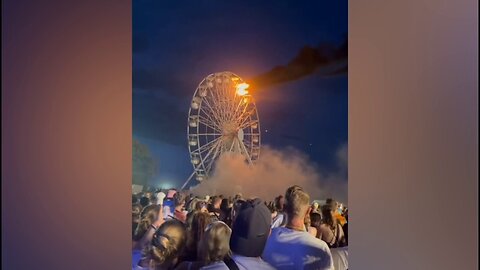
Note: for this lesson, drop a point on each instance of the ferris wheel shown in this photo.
(222, 118)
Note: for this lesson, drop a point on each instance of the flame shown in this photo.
(242, 89)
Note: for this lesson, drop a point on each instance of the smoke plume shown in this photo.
(326, 58)
(275, 171)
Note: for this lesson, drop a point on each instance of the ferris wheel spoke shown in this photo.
(203, 148)
(209, 123)
(233, 108)
(239, 105)
(242, 123)
(207, 112)
(211, 111)
(227, 90)
(215, 155)
(209, 134)
(233, 144)
(208, 154)
(239, 116)
(214, 122)
(211, 108)
(247, 124)
(245, 117)
(216, 101)
(246, 152)
(231, 103)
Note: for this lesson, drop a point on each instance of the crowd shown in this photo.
(175, 230)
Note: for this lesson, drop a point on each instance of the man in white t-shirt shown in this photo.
(292, 247)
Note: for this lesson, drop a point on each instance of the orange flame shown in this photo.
(242, 89)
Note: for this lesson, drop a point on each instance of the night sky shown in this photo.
(178, 43)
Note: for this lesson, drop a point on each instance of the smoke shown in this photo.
(325, 59)
(275, 171)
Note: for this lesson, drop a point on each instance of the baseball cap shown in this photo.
(251, 229)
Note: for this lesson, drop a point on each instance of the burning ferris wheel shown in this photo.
(222, 118)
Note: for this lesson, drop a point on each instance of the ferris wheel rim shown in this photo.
(198, 150)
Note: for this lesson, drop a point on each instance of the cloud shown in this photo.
(308, 61)
(275, 171)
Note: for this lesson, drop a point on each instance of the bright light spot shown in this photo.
(242, 89)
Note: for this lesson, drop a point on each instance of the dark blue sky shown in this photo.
(177, 43)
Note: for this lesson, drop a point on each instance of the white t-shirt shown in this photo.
(278, 220)
(340, 258)
(290, 249)
(243, 263)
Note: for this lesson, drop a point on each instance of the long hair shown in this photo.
(147, 217)
(328, 218)
(200, 221)
(168, 243)
(215, 243)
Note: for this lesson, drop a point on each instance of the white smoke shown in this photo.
(275, 171)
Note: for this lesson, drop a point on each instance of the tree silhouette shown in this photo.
(143, 164)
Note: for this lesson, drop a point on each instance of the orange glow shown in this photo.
(242, 89)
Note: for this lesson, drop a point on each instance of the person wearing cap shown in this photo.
(292, 247)
(250, 232)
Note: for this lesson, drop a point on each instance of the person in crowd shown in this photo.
(273, 209)
(316, 221)
(315, 208)
(144, 201)
(292, 247)
(151, 220)
(236, 208)
(337, 210)
(169, 204)
(214, 207)
(136, 213)
(134, 199)
(345, 226)
(190, 204)
(171, 193)
(310, 229)
(213, 247)
(179, 202)
(148, 216)
(280, 219)
(195, 232)
(250, 231)
(331, 230)
(339, 215)
(225, 212)
(196, 206)
(166, 247)
(237, 197)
